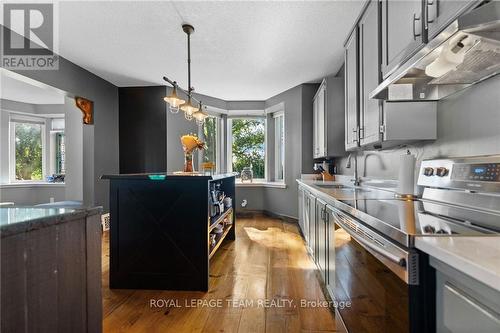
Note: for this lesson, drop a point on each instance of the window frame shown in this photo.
(229, 145)
(277, 144)
(218, 143)
(23, 119)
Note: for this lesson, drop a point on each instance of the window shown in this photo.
(35, 152)
(27, 144)
(210, 133)
(279, 146)
(247, 145)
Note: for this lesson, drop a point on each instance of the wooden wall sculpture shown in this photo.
(87, 107)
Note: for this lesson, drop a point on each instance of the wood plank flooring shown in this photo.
(259, 281)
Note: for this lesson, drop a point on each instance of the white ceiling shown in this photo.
(32, 93)
(240, 50)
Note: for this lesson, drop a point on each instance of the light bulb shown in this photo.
(188, 107)
(173, 100)
(188, 116)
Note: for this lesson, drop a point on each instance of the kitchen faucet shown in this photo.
(348, 166)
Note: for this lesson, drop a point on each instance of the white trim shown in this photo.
(29, 184)
(277, 145)
(12, 145)
(229, 139)
(275, 108)
(262, 184)
(246, 113)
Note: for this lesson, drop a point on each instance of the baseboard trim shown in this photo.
(251, 213)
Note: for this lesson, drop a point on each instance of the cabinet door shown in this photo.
(351, 91)
(402, 29)
(369, 66)
(315, 128)
(330, 276)
(305, 216)
(321, 120)
(312, 224)
(319, 128)
(301, 209)
(321, 238)
(440, 13)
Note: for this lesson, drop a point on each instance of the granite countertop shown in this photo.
(14, 220)
(170, 175)
(478, 257)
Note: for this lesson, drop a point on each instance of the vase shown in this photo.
(188, 162)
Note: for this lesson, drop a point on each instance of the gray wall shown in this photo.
(74, 187)
(468, 124)
(103, 135)
(298, 154)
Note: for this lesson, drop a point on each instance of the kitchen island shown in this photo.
(160, 227)
(50, 269)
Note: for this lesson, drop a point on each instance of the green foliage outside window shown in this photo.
(248, 145)
(210, 138)
(28, 151)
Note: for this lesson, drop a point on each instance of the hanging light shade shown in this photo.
(200, 116)
(189, 109)
(174, 100)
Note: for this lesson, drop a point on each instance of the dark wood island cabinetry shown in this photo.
(160, 229)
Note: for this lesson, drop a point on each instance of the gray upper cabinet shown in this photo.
(371, 123)
(440, 13)
(369, 66)
(351, 91)
(402, 32)
(319, 122)
(328, 118)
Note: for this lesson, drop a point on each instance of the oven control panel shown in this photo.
(481, 173)
(485, 172)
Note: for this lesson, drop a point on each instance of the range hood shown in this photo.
(465, 53)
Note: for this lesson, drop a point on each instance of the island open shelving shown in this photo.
(160, 230)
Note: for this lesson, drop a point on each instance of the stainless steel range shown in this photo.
(377, 268)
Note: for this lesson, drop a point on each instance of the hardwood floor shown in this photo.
(259, 281)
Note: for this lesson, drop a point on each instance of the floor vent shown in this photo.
(105, 222)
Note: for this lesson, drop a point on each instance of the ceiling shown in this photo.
(240, 50)
(32, 93)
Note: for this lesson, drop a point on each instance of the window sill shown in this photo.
(31, 184)
(261, 184)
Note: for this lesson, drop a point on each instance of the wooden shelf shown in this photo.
(214, 221)
(219, 239)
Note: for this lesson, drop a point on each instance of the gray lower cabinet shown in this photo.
(402, 32)
(310, 222)
(322, 245)
(330, 235)
(301, 200)
(440, 13)
(464, 305)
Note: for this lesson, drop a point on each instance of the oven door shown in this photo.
(372, 274)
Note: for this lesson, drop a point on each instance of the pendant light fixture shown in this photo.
(174, 100)
(200, 115)
(191, 108)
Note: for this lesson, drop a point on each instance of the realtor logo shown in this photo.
(28, 37)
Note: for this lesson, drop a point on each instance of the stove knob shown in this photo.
(428, 171)
(441, 172)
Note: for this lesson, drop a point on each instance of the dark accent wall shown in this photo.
(143, 127)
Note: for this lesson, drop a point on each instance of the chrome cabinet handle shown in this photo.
(415, 19)
(430, 4)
